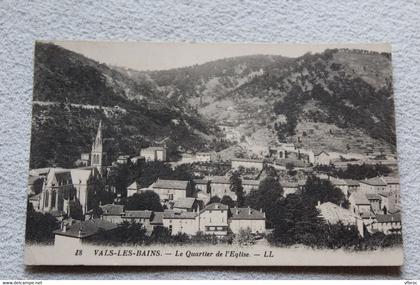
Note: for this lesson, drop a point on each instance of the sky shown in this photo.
(159, 56)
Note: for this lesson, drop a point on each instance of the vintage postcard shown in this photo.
(213, 154)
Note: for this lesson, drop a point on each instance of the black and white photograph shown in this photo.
(213, 154)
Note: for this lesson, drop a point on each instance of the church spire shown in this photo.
(98, 156)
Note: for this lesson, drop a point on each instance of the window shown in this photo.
(53, 197)
(47, 197)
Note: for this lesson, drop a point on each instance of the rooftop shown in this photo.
(170, 184)
(173, 214)
(157, 218)
(184, 203)
(112, 210)
(389, 218)
(215, 206)
(359, 199)
(374, 181)
(246, 214)
(86, 228)
(138, 214)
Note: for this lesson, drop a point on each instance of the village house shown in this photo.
(112, 213)
(133, 188)
(359, 203)
(249, 185)
(247, 218)
(137, 159)
(123, 159)
(180, 222)
(375, 202)
(322, 158)
(213, 219)
(154, 153)
(143, 217)
(373, 185)
(202, 184)
(187, 204)
(74, 234)
(340, 184)
(220, 186)
(352, 186)
(388, 223)
(247, 163)
(334, 214)
(203, 156)
(169, 190)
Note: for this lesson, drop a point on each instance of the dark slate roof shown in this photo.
(86, 228)
(246, 214)
(138, 214)
(112, 210)
(184, 203)
(389, 218)
(173, 214)
(171, 184)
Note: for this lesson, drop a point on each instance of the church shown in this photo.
(61, 186)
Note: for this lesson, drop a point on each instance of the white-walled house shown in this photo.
(220, 186)
(154, 153)
(388, 223)
(73, 235)
(213, 219)
(112, 213)
(203, 156)
(247, 218)
(322, 158)
(250, 184)
(133, 188)
(359, 203)
(179, 222)
(169, 190)
(375, 185)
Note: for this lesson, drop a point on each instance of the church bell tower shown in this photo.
(97, 155)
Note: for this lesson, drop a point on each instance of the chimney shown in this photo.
(319, 203)
(64, 228)
(249, 210)
(260, 210)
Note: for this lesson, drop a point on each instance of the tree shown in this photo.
(126, 233)
(214, 199)
(266, 197)
(146, 200)
(228, 201)
(317, 190)
(236, 187)
(76, 211)
(244, 237)
(39, 226)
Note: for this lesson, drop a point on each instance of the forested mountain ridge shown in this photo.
(72, 93)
